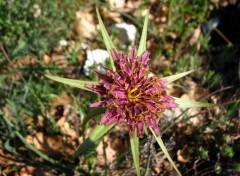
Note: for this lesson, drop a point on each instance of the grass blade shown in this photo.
(135, 151)
(143, 41)
(107, 40)
(72, 82)
(147, 168)
(191, 104)
(36, 151)
(161, 144)
(93, 139)
(177, 76)
(30, 146)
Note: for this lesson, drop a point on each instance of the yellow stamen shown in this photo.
(133, 94)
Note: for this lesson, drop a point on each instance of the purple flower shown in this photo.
(131, 93)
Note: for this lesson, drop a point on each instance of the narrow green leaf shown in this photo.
(72, 82)
(31, 147)
(100, 131)
(107, 40)
(145, 129)
(191, 104)
(93, 139)
(161, 144)
(143, 41)
(20, 47)
(147, 167)
(177, 76)
(135, 151)
(10, 148)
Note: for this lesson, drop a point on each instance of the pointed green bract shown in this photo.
(172, 78)
(107, 40)
(92, 113)
(161, 144)
(191, 104)
(72, 82)
(135, 151)
(143, 41)
(93, 139)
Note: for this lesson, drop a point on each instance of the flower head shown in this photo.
(132, 94)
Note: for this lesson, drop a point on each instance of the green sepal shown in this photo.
(107, 40)
(175, 77)
(143, 41)
(93, 139)
(134, 141)
(72, 82)
(191, 104)
(92, 113)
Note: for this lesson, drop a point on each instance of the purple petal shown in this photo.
(151, 91)
(112, 120)
(114, 54)
(103, 78)
(132, 129)
(106, 117)
(107, 85)
(120, 94)
(109, 72)
(90, 86)
(140, 129)
(170, 104)
(101, 91)
(97, 104)
(157, 131)
(144, 59)
(122, 102)
(121, 119)
(151, 105)
(132, 55)
(154, 125)
(162, 82)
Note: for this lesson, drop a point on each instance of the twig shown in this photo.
(219, 90)
(223, 36)
(11, 63)
(220, 34)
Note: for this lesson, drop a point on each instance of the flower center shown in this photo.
(133, 94)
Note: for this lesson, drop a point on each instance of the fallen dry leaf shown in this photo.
(27, 171)
(68, 130)
(84, 25)
(194, 91)
(49, 144)
(182, 155)
(195, 36)
(119, 4)
(115, 16)
(7, 159)
(60, 60)
(110, 153)
(46, 59)
(63, 99)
